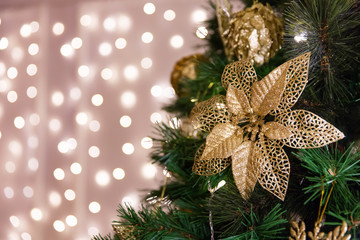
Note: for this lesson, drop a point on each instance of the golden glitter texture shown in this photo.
(254, 34)
(124, 231)
(185, 68)
(240, 131)
(298, 232)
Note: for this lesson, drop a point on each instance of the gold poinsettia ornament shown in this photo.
(241, 133)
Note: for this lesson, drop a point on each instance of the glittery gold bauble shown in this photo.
(124, 232)
(185, 68)
(254, 34)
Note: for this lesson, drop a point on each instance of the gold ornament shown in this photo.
(124, 232)
(254, 34)
(185, 68)
(298, 232)
(240, 133)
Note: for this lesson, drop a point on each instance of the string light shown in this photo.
(105, 49)
(67, 50)
(54, 199)
(148, 171)
(76, 168)
(58, 28)
(146, 63)
(169, 15)
(149, 8)
(198, 16)
(102, 178)
(36, 214)
(4, 43)
(131, 73)
(70, 195)
(177, 41)
(94, 207)
(77, 96)
(128, 99)
(119, 173)
(125, 121)
(71, 220)
(147, 37)
(94, 152)
(120, 43)
(76, 43)
(128, 148)
(59, 225)
(33, 49)
(25, 30)
(109, 24)
(155, 117)
(94, 126)
(124, 23)
(59, 174)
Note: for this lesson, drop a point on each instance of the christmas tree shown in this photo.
(267, 141)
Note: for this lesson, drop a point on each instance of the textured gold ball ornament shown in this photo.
(186, 67)
(254, 34)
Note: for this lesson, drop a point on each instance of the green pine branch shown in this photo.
(155, 223)
(330, 30)
(271, 226)
(337, 174)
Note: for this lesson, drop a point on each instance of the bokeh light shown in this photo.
(148, 171)
(59, 225)
(146, 143)
(71, 220)
(94, 151)
(120, 43)
(94, 207)
(131, 73)
(146, 63)
(128, 148)
(169, 15)
(118, 173)
(125, 121)
(54, 198)
(76, 43)
(59, 174)
(105, 49)
(70, 194)
(33, 49)
(36, 214)
(58, 28)
(147, 37)
(128, 99)
(149, 8)
(177, 41)
(97, 100)
(102, 178)
(76, 168)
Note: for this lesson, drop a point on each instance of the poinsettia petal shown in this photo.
(240, 74)
(275, 130)
(208, 167)
(222, 141)
(265, 94)
(206, 114)
(274, 167)
(244, 170)
(296, 80)
(237, 101)
(308, 130)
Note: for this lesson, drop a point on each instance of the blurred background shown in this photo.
(81, 85)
